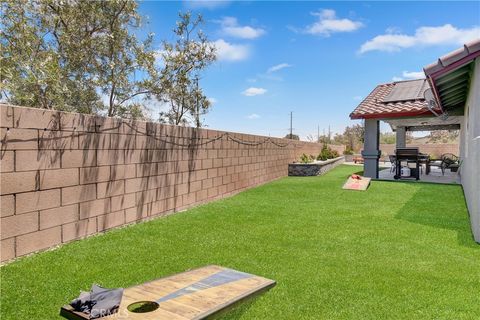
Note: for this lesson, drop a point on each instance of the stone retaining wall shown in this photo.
(313, 169)
(65, 176)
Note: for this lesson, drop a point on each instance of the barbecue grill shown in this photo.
(409, 155)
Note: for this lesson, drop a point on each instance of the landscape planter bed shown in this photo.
(314, 168)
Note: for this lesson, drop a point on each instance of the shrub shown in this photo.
(348, 151)
(327, 153)
(306, 158)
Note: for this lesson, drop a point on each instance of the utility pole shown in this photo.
(318, 133)
(291, 125)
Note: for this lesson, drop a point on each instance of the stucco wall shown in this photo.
(65, 176)
(470, 151)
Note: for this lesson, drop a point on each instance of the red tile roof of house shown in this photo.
(374, 107)
(451, 92)
(453, 59)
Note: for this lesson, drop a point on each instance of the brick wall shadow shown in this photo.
(66, 176)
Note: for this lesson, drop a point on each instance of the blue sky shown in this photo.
(316, 59)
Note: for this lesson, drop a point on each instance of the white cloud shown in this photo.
(231, 52)
(270, 74)
(253, 116)
(413, 74)
(278, 67)
(230, 27)
(424, 36)
(329, 23)
(410, 75)
(206, 4)
(225, 51)
(252, 91)
(212, 100)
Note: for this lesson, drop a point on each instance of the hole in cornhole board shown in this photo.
(195, 294)
(143, 306)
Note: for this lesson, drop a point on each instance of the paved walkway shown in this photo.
(434, 176)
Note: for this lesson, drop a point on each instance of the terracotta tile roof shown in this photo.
(450, 76)
(468, 52)
(374, 107)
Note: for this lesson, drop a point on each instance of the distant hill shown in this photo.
(435, 137)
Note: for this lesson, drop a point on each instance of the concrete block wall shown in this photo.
(433, 149)
(65, 176)
(339, 148)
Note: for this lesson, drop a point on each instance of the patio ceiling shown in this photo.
(426, 123)
(453, 87)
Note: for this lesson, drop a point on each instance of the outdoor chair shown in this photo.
(447, 161)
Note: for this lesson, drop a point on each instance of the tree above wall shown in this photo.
(85, 56)
(184, 61)
(292, 136)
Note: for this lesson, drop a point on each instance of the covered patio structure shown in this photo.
(448, 98)
(405, 106)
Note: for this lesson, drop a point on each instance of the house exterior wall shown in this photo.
(65, 176)
(470, 151)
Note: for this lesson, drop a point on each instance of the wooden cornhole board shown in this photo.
(356, 184)
(194, 294)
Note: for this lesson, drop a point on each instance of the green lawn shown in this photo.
(397, 251)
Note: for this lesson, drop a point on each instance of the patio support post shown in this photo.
(371, 152)
(401, 137)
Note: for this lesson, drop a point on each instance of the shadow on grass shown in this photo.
(442, 208)
(235, 312)
(360, 173)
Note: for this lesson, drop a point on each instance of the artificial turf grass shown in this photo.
(398, 250)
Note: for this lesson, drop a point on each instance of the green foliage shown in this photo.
(304, 158)
(292, 136)
(327, 153)
(64, 55)
(352, 137)
(334, 253)
(388, 138)
(184, 60)
(34, 72)
(444, 136)
(85, 56)
(348, 151)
